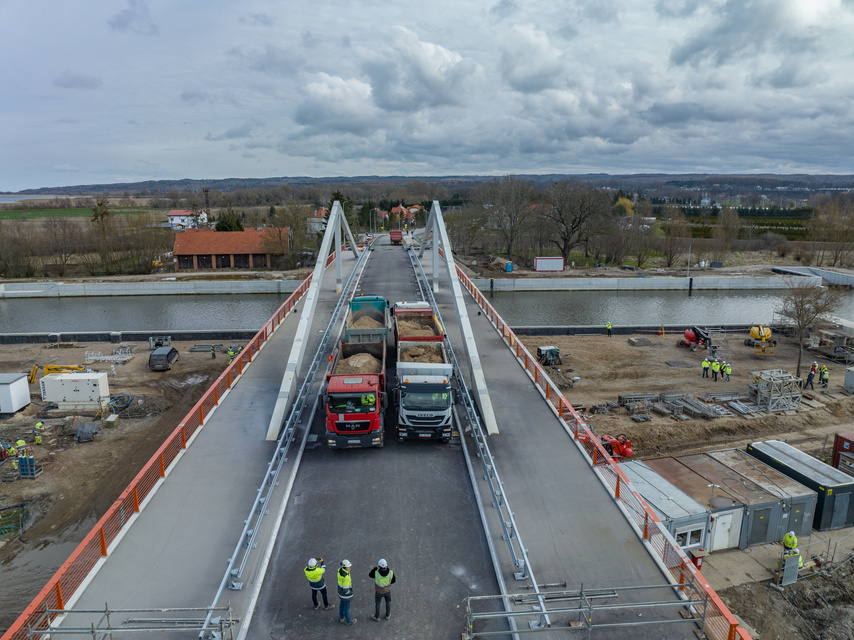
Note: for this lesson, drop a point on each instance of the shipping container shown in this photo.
(686, 519)
(834, 507)
(763, 511)
(14, 392)
(843, 453)
(727, 512)
(798, 500)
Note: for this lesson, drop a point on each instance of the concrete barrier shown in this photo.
(94, 289)
(656, 283)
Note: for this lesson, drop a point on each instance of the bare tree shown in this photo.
(725, 232)
(62, 237)
(511, 199)
(676, 234)
(286, 233)
(831, 230)
(574, 210)
(465, 227)
(803, 305)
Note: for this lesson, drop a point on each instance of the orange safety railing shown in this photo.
(719, 621)
(95, 545)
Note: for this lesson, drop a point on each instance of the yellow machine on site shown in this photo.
(760, 340)
(52, 368)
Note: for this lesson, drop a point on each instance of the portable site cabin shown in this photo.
(726, 510)
(14, 392)
(798, 500)
(835, 506)
(685, 518)
(763, 511)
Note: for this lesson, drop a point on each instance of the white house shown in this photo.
(187, 219)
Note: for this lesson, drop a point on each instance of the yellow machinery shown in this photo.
(760, 340)
(52, 368)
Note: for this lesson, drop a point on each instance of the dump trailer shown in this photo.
(355, 396)
(367, 320)
(396, 237)
(423, 391)
(416, 322)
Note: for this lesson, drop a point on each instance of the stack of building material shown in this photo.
(775, 390)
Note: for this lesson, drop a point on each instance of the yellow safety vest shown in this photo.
(716, 366)
(790, 541)
(728, 369)
(381, 580)
(345, 585)
(315, 577)
(20, 443)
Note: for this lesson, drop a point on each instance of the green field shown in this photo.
(35, 214)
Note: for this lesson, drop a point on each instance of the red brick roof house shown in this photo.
(208, 249)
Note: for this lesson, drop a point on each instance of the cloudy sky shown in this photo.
(124, 90)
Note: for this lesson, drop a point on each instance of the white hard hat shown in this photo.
(815, 362)
(382, 563)
(792, 533)
(312, 562)
(346, 564)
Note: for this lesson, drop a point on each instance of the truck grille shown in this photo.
(351, 425)
(434, 421)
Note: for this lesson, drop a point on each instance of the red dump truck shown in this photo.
(396, 237)
(355, 395)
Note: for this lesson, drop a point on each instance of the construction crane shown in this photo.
(760, 340)
(52, 368)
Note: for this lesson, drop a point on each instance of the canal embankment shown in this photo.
(641, 283)
(51, 289)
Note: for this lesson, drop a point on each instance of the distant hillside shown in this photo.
(632, 182)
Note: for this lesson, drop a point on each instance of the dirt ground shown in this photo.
(821, 607)
(81, 480)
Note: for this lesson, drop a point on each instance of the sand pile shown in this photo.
(414, 328)
(422, 353)
(366, 322)
(361, 363)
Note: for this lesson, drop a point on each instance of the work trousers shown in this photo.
(809, 382)
(715, 376)
(378, 597)
(705, 372)
(344, 611)
(322, 592)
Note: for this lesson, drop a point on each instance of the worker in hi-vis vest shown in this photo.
(345, 593)
(314, 570)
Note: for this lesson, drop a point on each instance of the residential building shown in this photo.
(208, 249)
(187, 219)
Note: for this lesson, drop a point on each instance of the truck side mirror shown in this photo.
(456, 395)
(384, 397)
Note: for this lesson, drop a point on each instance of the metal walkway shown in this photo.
(412, 503)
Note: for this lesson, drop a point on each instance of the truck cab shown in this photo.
(354, 412)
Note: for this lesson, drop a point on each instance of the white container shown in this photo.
(76, 390)
(14, 392)
(849, 380)
(548, 264)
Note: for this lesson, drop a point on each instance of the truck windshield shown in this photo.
(426, 401)
(352, 402)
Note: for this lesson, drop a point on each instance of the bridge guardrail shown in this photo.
(95, 545)
(719, 623)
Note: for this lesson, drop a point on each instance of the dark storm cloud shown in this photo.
(790, 76)
(69, 80)
(677, 113)
(135, 18)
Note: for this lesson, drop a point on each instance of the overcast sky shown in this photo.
(125, 90)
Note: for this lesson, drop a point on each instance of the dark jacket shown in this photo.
(383, 572)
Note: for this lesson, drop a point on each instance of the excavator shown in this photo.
(760, 340)
(52, 368)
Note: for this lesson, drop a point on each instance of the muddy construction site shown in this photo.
(81, 480)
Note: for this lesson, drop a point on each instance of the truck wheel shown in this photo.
(445, 440)
(399, 439)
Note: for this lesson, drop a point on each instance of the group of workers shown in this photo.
(823, 376)
(381, 574)
(717, 368)
(19, 449)
(232, 352)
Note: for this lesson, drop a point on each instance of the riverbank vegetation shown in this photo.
(503, 219)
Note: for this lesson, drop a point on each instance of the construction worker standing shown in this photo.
(727, 369)
(345, 593)
(608, 326)
(824, 377)
(230, 354)
(383, 579)
(314, 571)
(716, 369)
(811, 376)
(213, 353)
(37, 432)
(706, 365)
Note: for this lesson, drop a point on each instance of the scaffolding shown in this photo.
(775, 390)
